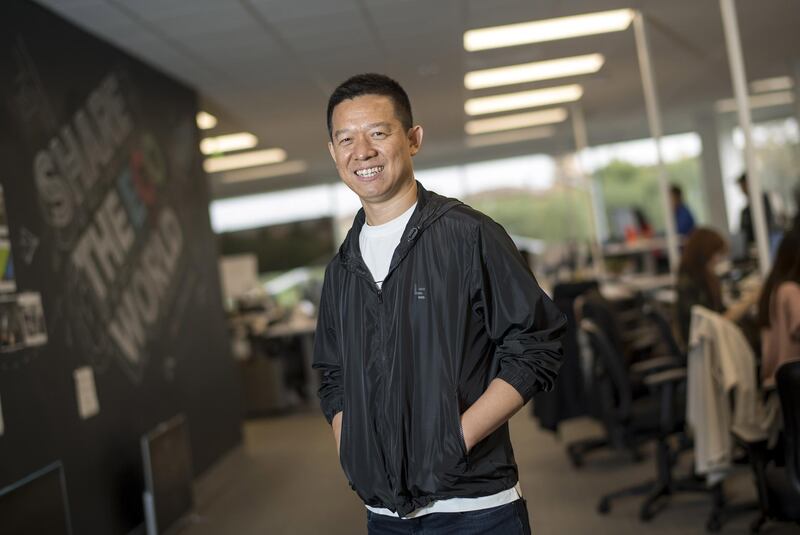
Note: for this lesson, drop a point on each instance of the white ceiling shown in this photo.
(267, 66)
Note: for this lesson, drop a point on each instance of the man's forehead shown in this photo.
(364, 111)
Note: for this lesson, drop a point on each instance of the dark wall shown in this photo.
(108, 222)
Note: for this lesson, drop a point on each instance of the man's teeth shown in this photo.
(367, 173)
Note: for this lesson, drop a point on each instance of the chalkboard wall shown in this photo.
(107, 221)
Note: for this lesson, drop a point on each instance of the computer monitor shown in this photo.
(36, 504)
(168, 498)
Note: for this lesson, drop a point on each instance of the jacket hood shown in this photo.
(430, 207)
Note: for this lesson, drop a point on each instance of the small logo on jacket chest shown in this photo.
(419, 292)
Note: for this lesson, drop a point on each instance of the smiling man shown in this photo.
(432, 333)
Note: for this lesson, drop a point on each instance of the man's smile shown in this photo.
(369, 172)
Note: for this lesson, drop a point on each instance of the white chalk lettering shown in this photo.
(104, 245)
(141, 301)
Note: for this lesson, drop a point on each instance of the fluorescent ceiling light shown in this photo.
(765, 85)
(766, 100)
(228, 143)
(205, 120)
(547, 30)
(244, 159)
(514, 136)
(517, 120)
(532, 72)
(523, 99)
(293, 167)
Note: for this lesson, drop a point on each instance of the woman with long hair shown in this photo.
(779, 309)
(697, 283)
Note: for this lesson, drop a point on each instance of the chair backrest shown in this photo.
(602, 313)
(666, 332)
(609, 374)
(787, 380)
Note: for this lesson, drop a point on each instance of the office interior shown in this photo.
(168, 206)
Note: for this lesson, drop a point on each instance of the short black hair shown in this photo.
(372, 84)
(742, 179)
(676, 191)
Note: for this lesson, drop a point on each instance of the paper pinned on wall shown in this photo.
(86, 392)
(32, 314)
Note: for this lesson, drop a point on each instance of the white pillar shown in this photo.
(739, 78)
(711, 164)
(656, 131)
(581, 144)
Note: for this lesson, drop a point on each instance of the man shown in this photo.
(746, 219)
(432, 333)
(684, 221)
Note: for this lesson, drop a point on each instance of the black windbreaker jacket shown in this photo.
(458, 308)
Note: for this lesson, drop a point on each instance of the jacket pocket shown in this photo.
(462, 444)
(343, 441)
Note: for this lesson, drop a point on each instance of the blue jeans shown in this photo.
(509, 519)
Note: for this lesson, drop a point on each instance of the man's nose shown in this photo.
(363, 149)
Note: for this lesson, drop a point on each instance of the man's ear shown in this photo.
(415, 139)
(333, 152)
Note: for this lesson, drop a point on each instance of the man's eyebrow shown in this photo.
(367, 126)
(380, 123)
(341, 131)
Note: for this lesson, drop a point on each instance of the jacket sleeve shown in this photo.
(523, 322)
(327, 355)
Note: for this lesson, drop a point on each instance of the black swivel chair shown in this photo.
(656, 417)
(779, 487)
(622, 344)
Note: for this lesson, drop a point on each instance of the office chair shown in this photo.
(779, 487)
(656, 417)
(601, 313)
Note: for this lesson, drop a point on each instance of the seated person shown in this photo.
(746, 217)
(698, 282)
(684, 220)
(779, 309)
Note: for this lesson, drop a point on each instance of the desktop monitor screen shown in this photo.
(36, 504)
(168, 474)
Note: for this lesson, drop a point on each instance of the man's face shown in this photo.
(371, 148)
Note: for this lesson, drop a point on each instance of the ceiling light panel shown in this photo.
(228, 143)
(517, 120)
(547, 30)
(244, 159)
(293, 167)
(778, 83)
(513, 136)
(523, 99)
(766, 100)
(205, 120)
(532, 72)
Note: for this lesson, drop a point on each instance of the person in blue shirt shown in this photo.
(684, 221)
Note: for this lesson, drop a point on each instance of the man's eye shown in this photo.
(345, 141)
(379, 135)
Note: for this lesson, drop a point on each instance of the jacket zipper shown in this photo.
(379, 292)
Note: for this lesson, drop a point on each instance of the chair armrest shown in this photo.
(667, 376)
(655, 364)
(640, 338)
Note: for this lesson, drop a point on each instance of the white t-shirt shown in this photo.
(379, 242)
(377, 248)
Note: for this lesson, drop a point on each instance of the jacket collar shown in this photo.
(430, 207)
